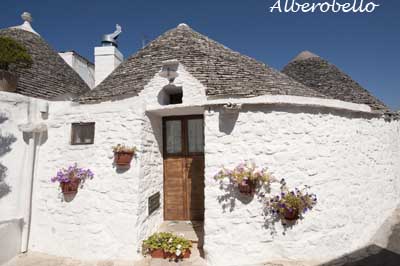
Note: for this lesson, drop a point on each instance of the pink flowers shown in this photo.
(244, 172)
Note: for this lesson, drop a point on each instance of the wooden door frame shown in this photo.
(184, 151)
(184, 139)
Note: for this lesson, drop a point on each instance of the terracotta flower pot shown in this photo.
(70, 187)
(123, 158)
(157, 253)
(247, 187)
(291, 215)
(187, 254)
(174, 256)
(8, 81)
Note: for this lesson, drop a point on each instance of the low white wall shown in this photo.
(10, 239)
(13, 153)
(351, 162)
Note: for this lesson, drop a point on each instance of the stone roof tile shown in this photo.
(324, 77)
(222, 71)
(49, 76)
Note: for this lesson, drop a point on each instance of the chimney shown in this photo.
(107, 57)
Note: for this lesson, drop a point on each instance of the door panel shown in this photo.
(184, 168)
(174, 189)
(195, 187)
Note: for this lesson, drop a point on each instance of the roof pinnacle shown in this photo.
(27, 18)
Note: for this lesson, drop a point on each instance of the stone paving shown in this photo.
(372, 255)
(40, 259)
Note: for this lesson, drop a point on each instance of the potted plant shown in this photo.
(167, 245)
(12, 54)
(123, 154)
(291, 204)
(246, 176)
(71, 178)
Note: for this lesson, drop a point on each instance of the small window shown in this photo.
(174, 136)
(175, 98)
(196, 135)
(82, 133)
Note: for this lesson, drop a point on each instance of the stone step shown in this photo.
(191, 230)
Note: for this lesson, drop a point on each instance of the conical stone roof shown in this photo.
(49, 76)
(324, 77)
(222, 71)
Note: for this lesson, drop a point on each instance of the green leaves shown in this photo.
(167, 242)
(13, 53)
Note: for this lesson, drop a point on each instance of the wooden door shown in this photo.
(183, 168)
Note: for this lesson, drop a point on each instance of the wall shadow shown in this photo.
(68, 197)
(156, 126)
(5, 143)
(5, 146)
(3, 118)
(4, 187)
(227, 120)
(231, 194)
(372, 255)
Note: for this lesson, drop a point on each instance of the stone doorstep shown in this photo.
(190, 230)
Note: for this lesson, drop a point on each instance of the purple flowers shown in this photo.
(291, 204)
(65, 175)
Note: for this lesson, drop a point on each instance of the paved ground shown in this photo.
(372, 255)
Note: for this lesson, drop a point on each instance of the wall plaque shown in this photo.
(154, 202)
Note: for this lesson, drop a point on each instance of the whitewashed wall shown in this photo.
(151, 178)
(100, 222)
(346, 158)
(83, 67)
(13, 153)
(108, 218)
(351, 162)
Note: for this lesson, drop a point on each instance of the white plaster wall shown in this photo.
(106, 59)
(351, 162)
(193, 91)
(81, 66)
(100, 222)
(13, 111)
(151, 177)
(10, 239)
(108, 218)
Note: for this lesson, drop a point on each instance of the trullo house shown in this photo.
(193, 109)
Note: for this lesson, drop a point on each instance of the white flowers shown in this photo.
(178, 251)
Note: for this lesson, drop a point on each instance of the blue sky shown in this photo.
(366, 46)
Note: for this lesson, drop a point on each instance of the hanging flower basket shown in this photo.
(247, 187)
(123, 158)
(291, 214)
(123, 155)
(72, 178)
(246, 176)
(291, 204)
(70, 187)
